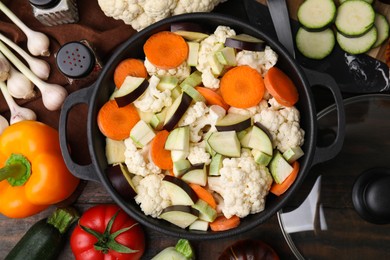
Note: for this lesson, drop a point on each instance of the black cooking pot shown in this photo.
(97, 94)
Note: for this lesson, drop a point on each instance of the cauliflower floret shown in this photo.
(290, 134)
(283, 124)
(181, 72)
(260, 61)
(207, 48)
(193, 113)
(153, 100)
(151, 195)
(191, 6)
(137, 161)
(243, 185)
(251, 111)
(198, 154)
(210, 118)
(142, 13)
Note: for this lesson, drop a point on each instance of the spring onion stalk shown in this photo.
(40, 67)
(18, 113)
(4, 68)
(53, 95)
(18, 85)
(37, 42)
(3, 124)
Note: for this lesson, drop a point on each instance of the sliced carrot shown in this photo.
(222, 223)
(212, 97)
(116, 122)
(279, 189)
(166, 50)
(281, 87)
(129, 67)
(242, 87)
(204, 195)
(161, 157)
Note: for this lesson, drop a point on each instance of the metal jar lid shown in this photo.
(44, 4)
(75, 60)
(343, 208)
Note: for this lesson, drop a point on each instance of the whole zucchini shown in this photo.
(45, 239)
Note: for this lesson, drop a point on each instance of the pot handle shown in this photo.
(323, 154)
(85, 172)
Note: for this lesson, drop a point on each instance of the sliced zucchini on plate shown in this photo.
(315, 45)
(354, 18)
(382, 26)
(316, 14)
(357, 45)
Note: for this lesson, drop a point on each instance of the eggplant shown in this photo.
(245, 42)
(179, 191)
(130, 90)
(249, 249)
(180, 215)
(189, 31)
(176, 111)
(120, 179)
(233, 122)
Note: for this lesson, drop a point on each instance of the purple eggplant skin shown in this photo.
(119, 182)
(181, 109)
(132, 96)
(183, 185)
(249, 249)
(187, 26)
(245, 45)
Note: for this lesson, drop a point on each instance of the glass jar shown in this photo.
(55, 12)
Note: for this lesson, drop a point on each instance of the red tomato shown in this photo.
(95, 238)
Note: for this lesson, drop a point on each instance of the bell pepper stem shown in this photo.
(16, 171)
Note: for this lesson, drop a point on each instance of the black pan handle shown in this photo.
(85, 172)
(323, 154)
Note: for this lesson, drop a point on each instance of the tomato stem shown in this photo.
(16, 171)
(106, 241)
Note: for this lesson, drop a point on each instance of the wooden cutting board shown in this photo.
(378, 53)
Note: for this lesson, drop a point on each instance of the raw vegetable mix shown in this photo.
(33, 174)
(208, 133)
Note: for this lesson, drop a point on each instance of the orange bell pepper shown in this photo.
(33, 174)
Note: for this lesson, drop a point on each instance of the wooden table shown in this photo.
(12, 230)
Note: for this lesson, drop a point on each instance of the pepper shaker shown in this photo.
(55, 12)
(78, 61)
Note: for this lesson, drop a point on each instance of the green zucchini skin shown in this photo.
(41, 242)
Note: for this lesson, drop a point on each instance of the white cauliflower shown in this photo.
(251, 111)
(142, 13)
(211, 116)
(243, 185)
(153, 100)
(151, 195)
(261, 61)
(191, 6)
(197, 154)
(283, 123)
(194, 112)
(137, 160)
(181, 72)
(207, 48)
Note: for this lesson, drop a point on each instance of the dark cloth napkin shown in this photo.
(102, 32)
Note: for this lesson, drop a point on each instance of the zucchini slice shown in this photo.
(382, 26)
(357, 45)
(354, 18)
(316, 14)
(315, 45)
